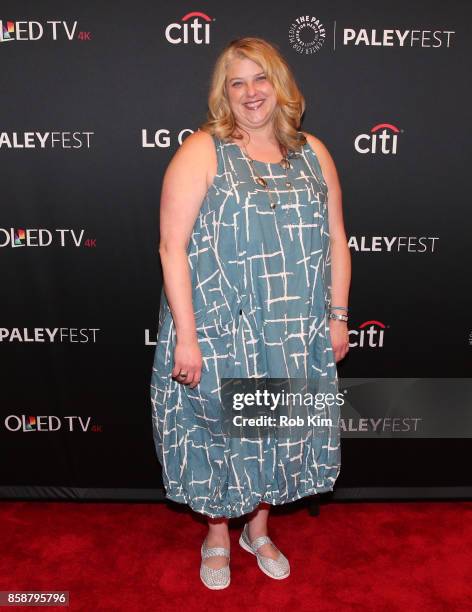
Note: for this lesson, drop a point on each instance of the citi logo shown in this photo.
(370, 334)
(383, 138)
(29, 423)
(34, 30)
(194, 28)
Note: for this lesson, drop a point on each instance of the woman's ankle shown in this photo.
(218, 532)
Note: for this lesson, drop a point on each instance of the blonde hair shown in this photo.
(290, 101)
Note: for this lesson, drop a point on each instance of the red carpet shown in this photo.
(359, 556)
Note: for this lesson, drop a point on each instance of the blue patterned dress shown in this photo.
(261, 285)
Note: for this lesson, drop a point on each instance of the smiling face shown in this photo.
(251, 97)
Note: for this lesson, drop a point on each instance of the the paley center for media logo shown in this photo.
(306, 34)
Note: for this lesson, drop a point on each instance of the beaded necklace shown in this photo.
(284, 162)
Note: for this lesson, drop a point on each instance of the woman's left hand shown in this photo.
(339, 338)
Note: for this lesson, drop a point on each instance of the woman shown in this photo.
(250, 273)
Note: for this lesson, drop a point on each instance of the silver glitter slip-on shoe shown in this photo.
(214, 578)
(275, 568)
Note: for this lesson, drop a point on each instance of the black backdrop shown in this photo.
(92, 108)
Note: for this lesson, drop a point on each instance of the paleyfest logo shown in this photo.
(393, 244)
(45, 140)
(307, 35)
(397, 38)
(35, 30)
(194, 27)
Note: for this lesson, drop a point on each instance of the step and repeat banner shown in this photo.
(95, 98)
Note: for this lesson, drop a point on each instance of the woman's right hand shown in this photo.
(187, 358)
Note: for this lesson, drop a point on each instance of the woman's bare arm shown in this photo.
(340, 254)
(183, 190)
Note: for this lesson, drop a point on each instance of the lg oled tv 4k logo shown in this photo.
(41, 237)
(35, 30)
(383, 138)
(51, 423)
(194, 28)
(7, 31)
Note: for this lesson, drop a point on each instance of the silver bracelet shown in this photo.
(339, 308)
(339, 317)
